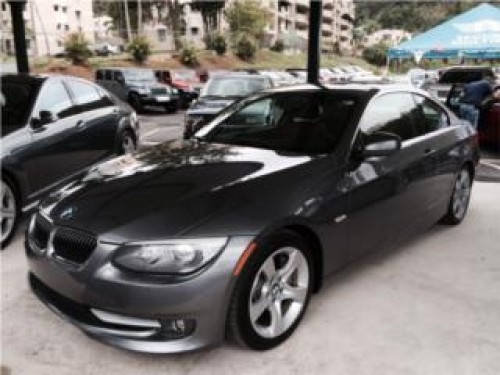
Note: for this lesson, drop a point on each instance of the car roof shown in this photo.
(361, 87)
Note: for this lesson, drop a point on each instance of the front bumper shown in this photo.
(76, 292)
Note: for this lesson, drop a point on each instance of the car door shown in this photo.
(386, 194)
(434, 131)
(98, 123)
(51, 156)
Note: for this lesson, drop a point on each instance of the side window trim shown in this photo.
(39, 99)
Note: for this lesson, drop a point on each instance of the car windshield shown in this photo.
(16, 101)
(184, 75)
(142, 75)
(305, 123)
(234, 86)
(464, 75)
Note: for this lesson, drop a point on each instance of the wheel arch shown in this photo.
(316, 248)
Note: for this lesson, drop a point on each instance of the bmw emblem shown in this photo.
(68, 213)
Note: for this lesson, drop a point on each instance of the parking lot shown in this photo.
(428, 306)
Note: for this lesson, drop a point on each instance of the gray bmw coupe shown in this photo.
(231, 232)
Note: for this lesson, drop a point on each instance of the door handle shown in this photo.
(429, 151)
(81, 125)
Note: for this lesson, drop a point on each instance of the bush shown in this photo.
(245, 47)
(219, 44)
(139, 48)
(376, 55)
(278, 46)
(77, 48)
(189, 56)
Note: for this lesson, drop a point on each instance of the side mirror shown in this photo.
(44, 118)
(380, 144)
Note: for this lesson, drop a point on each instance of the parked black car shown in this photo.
(165, 250)
(219, 92)
(54, 127)
(138, 87)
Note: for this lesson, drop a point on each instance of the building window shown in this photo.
(56, 8)
(58, 26)
(78, 13)
(59, 43)
(194, 31)
(4, 6)
(64, 9)
(66, 27)
(162, 35)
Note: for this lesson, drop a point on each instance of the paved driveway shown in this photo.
(429, 306)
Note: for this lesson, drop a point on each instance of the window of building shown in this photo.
(64, 9)
(66, 27)
(162, 35)
(4, 6)
(194, 31)
(56, 7)
(78, 13)
(58, 26)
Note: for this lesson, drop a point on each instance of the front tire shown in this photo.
(272, 292)
(10, 211)
(126, 143)
(460, 198)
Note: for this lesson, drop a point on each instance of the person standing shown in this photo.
(473, 96)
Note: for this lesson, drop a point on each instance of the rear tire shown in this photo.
(460, 198)
(272, 292)
(10, 211)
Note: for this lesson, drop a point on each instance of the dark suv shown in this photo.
(219, 92)
(53, 128)
(138, 87)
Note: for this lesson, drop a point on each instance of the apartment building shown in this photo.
(289, 22)
(48, 23)
(390, 37)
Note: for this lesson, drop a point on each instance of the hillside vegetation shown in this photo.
(413, 16)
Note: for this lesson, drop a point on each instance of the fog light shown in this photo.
(176, 328)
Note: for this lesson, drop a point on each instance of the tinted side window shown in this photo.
(99, 75)
(428, 117)
(391, 113)
(85, 95)
(108, 75)
(55, 98)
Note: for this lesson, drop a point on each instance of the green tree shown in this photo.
(175, 12)
(245, 47)
(77, 48)
(376, 55)
(246, 17)
(139, 48)
(210, 14)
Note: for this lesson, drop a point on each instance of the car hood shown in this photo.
(163, 192)
(146, 85)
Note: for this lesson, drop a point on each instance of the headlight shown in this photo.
(177, 257)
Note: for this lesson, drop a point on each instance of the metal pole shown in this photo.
(313, 53)
(16, 11)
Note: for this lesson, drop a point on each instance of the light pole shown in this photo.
(18, 29)
(313, 49)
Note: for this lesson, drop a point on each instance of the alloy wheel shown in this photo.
(461, 194)
(128, 144)
(279, 292)
(9, 210)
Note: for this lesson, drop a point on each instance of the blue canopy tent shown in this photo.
(473, 34)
